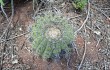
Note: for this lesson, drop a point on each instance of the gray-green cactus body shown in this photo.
(51, 34)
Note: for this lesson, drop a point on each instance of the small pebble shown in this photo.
(97, 32)
(15, 61)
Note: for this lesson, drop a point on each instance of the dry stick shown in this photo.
(14, 37)
(7, 26)
(105, 8)
(1, 61)
(8, 20)
(101, 12)
(85, 19)
(83, 57)
(88, 12)
(98, 42)
(37, 10)
(33, 2)
(4, 13)
(85, 33)
(74, 17)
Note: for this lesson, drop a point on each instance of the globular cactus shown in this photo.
(51, 35)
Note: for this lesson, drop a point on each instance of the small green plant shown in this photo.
(1, 2)
(79, 4)
(51, 36)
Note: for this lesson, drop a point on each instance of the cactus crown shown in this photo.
(51, 34)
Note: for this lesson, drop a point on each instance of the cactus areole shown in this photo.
(51, 35)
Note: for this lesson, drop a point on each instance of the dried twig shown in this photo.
(98, 9)
(74, 17)
(85, 19)
(12, 5)
(105, 8)
(2, 9)
(83, 25)
(1, 59)
(9, 21)
(98, 42)
(37, 10)
(14, 37)
(83, 57)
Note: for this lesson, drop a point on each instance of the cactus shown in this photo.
(51, 34)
